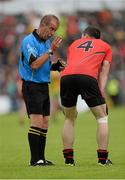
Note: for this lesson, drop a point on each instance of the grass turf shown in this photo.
(14, 150)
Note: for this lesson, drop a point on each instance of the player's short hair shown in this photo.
(92, 32)
(47, 19)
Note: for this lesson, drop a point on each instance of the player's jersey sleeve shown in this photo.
(108, 55)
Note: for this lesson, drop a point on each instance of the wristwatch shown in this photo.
(50, 52)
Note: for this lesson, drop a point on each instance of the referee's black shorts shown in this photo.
(73, 85)
(36, 97)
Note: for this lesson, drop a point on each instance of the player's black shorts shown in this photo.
(84, 85)
(36, 97)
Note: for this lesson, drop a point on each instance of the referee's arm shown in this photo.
(40, 61)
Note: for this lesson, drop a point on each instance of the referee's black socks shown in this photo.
(42, 143)
(34, 140)
(37, 143)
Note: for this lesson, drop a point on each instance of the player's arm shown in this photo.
(36, 63)
(103, 75)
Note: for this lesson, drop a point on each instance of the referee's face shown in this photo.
(49, 30)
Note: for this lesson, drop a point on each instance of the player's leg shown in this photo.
(68, 128)
(68, 134)
(101, 116)
(96, 102)
(68, 100)
(102, 125)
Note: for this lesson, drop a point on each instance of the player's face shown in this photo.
(49, 30)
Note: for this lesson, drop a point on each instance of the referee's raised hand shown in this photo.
(56, 43)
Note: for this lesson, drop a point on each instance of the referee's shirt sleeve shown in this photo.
(31, 53)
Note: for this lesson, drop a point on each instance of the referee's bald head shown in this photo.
(48, 18)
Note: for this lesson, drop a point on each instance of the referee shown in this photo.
(34, 69)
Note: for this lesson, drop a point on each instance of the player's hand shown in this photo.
(56, 43)
(103, 93)
(62, 64)
(59, 65)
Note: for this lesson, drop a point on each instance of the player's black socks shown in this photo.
(68, 155)
(42, 143)
(34, 138)
(102, 156)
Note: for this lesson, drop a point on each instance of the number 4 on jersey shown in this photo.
(86, 45)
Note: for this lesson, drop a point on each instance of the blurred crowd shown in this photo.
(14, 27)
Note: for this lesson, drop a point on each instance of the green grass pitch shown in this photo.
(14, 151)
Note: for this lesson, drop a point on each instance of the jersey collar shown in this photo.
(37, 36)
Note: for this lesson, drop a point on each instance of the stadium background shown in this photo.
(17, 18)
